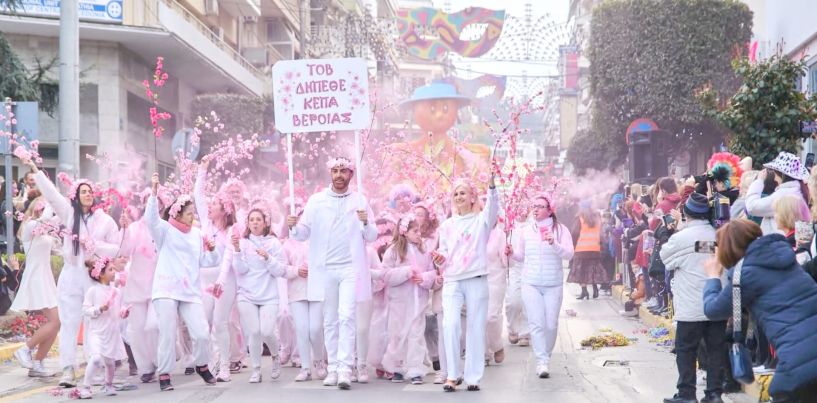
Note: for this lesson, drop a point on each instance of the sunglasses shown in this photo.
(540, 206)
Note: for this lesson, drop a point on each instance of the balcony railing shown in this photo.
(213, 36)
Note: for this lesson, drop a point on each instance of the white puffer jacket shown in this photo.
(543, 263)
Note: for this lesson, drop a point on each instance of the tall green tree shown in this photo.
(764, 115)
(21, 84)
(647, 58)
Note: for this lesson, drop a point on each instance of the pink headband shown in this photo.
(548, 198)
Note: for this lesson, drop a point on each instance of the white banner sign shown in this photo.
(314, 95)
(89, 10)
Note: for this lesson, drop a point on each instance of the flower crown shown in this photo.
(99, 265)
(226, 204)
(405, 222)
(177, 205)
(340, 162)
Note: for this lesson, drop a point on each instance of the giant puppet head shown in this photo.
(435, 107)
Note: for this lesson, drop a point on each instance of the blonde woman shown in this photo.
(738, 209)
(38, 290)
(787, 211)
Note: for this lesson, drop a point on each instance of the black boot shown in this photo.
(205, 374)
(584, 294)
(678, 399)
(595, 291)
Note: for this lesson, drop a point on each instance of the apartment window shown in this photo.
(812, 78)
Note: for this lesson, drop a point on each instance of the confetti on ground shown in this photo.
(570, 312)
(606, 338)
(660, 336)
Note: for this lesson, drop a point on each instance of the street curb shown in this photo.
(7, 351)
(758, 390)
(643, 313)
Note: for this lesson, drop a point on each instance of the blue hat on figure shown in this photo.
(436, 90)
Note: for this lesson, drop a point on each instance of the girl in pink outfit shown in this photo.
(143, 326)
(386, 228)
(103, 309)
(258, 260)
(410, 275)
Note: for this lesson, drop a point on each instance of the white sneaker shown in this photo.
(320, 369)
(39, 371)
(276, 367)
(344, 381)
(331, 379)
(85, 393)
(542, 371)
(256, 375)
(629, 314)
(223, 373)
(303, 376)
(353, 374)
(363, 374)
(67, 380)
(23, 356)
(109, 390)
(439, 378)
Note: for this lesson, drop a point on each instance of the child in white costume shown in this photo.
(103, 308)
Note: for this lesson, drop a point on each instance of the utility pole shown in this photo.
(303, 8)
(69, 88)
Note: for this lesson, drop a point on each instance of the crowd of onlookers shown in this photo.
(678, 245)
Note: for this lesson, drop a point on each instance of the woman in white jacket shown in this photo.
(258, 261)
(543, 247)
(90, 232)
(789, 173)
(183, 251)
(463, 262)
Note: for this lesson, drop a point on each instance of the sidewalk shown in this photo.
(758, 391)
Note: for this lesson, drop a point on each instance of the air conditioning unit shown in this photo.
(250, 19)
(211, 7)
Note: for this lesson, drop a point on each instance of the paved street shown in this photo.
(578, 375)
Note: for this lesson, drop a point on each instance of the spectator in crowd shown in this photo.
(778, 294)
(684, 254)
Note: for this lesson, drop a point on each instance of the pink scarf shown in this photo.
(184, 228)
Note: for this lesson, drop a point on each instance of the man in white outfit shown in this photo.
(336, 224)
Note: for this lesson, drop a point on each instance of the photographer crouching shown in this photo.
(684, 254)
